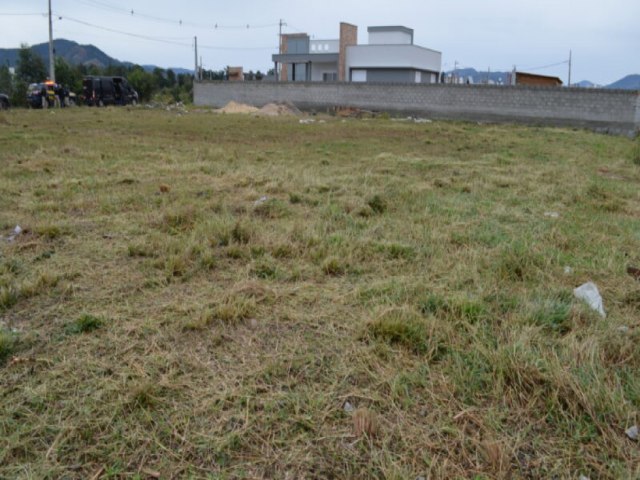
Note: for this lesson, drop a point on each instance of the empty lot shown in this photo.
(221, 296)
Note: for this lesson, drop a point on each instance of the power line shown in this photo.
(166, 40)
(43, 14)
(129, 34)
(547, 66)
(178, 22)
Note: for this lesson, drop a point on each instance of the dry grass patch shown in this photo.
(238, 297)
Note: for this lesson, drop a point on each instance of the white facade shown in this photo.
(324, 46)
(393, 56)
(390, 38)
(324, 72)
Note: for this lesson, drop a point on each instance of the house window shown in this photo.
(330, 77)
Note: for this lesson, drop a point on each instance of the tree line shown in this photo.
(163, 84)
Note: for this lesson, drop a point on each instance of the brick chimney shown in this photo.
(348, 37)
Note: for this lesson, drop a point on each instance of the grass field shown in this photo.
(220, 296)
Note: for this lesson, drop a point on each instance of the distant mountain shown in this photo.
(630, 82)
(74, 54)
(176, 70)
(584, 84)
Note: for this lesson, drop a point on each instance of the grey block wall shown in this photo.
(614, 111)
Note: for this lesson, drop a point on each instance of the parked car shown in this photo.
(101, 91)
(4, 102)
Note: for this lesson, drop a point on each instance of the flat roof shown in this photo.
(391, 28)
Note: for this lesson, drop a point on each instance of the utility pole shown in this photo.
(281, 24)
(52, 64)
(196, 73)
(569, 68)
(201, 69)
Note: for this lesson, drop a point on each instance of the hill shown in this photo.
(74, 54)
(630, 82)
(70, 51)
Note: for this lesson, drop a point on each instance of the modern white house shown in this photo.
(390, 56)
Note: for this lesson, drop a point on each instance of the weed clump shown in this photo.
(334, 266)
(179, 220)
(377, 203)
(8, 297)
(520, 263)
(271, 209)
(409, 329)
(553, 314)
(241, 233)
(265, 268)
(635, 153)
(84, 324)
(7, 344)
(234, 309)
(50, 232)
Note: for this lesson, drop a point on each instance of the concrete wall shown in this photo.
(615, 111)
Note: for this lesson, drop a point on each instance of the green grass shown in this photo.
(407, 269)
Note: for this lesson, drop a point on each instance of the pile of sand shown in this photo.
(269, 110)
(279, 110)
(234, 107)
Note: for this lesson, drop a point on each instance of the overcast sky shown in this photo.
(498, 34)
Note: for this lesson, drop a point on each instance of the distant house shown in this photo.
(389, 56)
(522, 78)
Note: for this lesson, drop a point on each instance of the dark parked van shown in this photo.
(101, 91)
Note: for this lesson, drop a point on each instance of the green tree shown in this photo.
(143, 82)
(159, 77)
(68, 75)
(6, 82)
(31, 67)
(171, 78)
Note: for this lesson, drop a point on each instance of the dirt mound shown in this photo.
(234, 107)
(279, 109)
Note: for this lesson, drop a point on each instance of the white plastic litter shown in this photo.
(16, 231)
(348, 407)
(568, 270)
(260, 201)
(590, 294)
(583, 477)
(632, 432)
(552, 214)
(306, 121)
